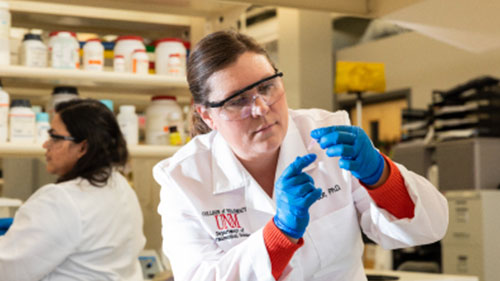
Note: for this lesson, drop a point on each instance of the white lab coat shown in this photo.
(75, 231)
(213, 212)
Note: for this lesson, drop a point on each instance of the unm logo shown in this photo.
(225, 221)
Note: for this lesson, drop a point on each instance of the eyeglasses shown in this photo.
(55, 138)
(239, 105)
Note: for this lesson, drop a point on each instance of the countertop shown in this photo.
(417, 276)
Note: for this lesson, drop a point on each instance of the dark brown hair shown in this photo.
(91, 120)
(213, 53)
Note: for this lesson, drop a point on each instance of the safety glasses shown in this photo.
(239, 105)
(56, 137)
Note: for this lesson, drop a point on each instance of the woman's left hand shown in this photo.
(356, 151)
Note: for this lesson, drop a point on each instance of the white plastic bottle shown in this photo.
(4, 114)
(33, 52)
(21, 122)
(140, 62)
(42, 127)
(60, 94)
(170, 55)
(159, 118)
(64, 50)
(4, 33)
(93, 55)
(129, 124)
(119, 63)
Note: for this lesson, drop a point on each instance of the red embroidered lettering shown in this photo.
(225, 220)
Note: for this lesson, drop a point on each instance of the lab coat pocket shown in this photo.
(336, 237)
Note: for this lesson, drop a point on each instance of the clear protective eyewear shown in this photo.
(55, 137)
(239, 105)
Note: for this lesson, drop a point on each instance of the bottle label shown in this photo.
(176, 64)
(35, 57)
(130, 132)
(64, 56)
(140, 66)
(22, 127)
(4, 28)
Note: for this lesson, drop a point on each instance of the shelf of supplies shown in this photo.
(36, 150)
(21, 75)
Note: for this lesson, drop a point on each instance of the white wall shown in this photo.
(423, 64)
(306, 58)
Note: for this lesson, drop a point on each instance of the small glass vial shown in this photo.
(140, 62)
(119, 63)
(42, 127)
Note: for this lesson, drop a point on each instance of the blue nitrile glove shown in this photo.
(5, 223)
(355, 149)
(295, 193)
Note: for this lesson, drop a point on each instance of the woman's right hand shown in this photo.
(5, 224)
(295, 193)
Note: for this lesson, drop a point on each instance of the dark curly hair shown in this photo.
(90, 120)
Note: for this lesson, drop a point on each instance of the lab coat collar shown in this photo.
(228, 173)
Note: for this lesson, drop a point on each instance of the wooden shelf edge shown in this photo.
(36, 150)
(106, 77)
(83, 11)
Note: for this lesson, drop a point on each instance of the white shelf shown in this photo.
(136, 151)
(19, 74)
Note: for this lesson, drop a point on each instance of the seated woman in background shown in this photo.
(88, 225)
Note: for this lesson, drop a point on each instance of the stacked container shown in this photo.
(125, 46)
(170, 55)
(163, 113)
(4, 33)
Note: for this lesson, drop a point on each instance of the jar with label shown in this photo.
(4, 114)
(163, 113)
(4, 33)
(93, 55)
(33, 52)
(140, 62)
(60, 94)
(64, 50)
(21, 122)
(129, 124)
(170, 55)
(119, 63)
(42, 127)
(125, 46)
(174, 136)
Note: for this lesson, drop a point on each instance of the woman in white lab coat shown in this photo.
(88, 225)
(270, 193)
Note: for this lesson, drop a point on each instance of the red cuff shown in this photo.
(279, 248)
(393, 195)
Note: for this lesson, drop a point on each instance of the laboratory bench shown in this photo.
(415, 276)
